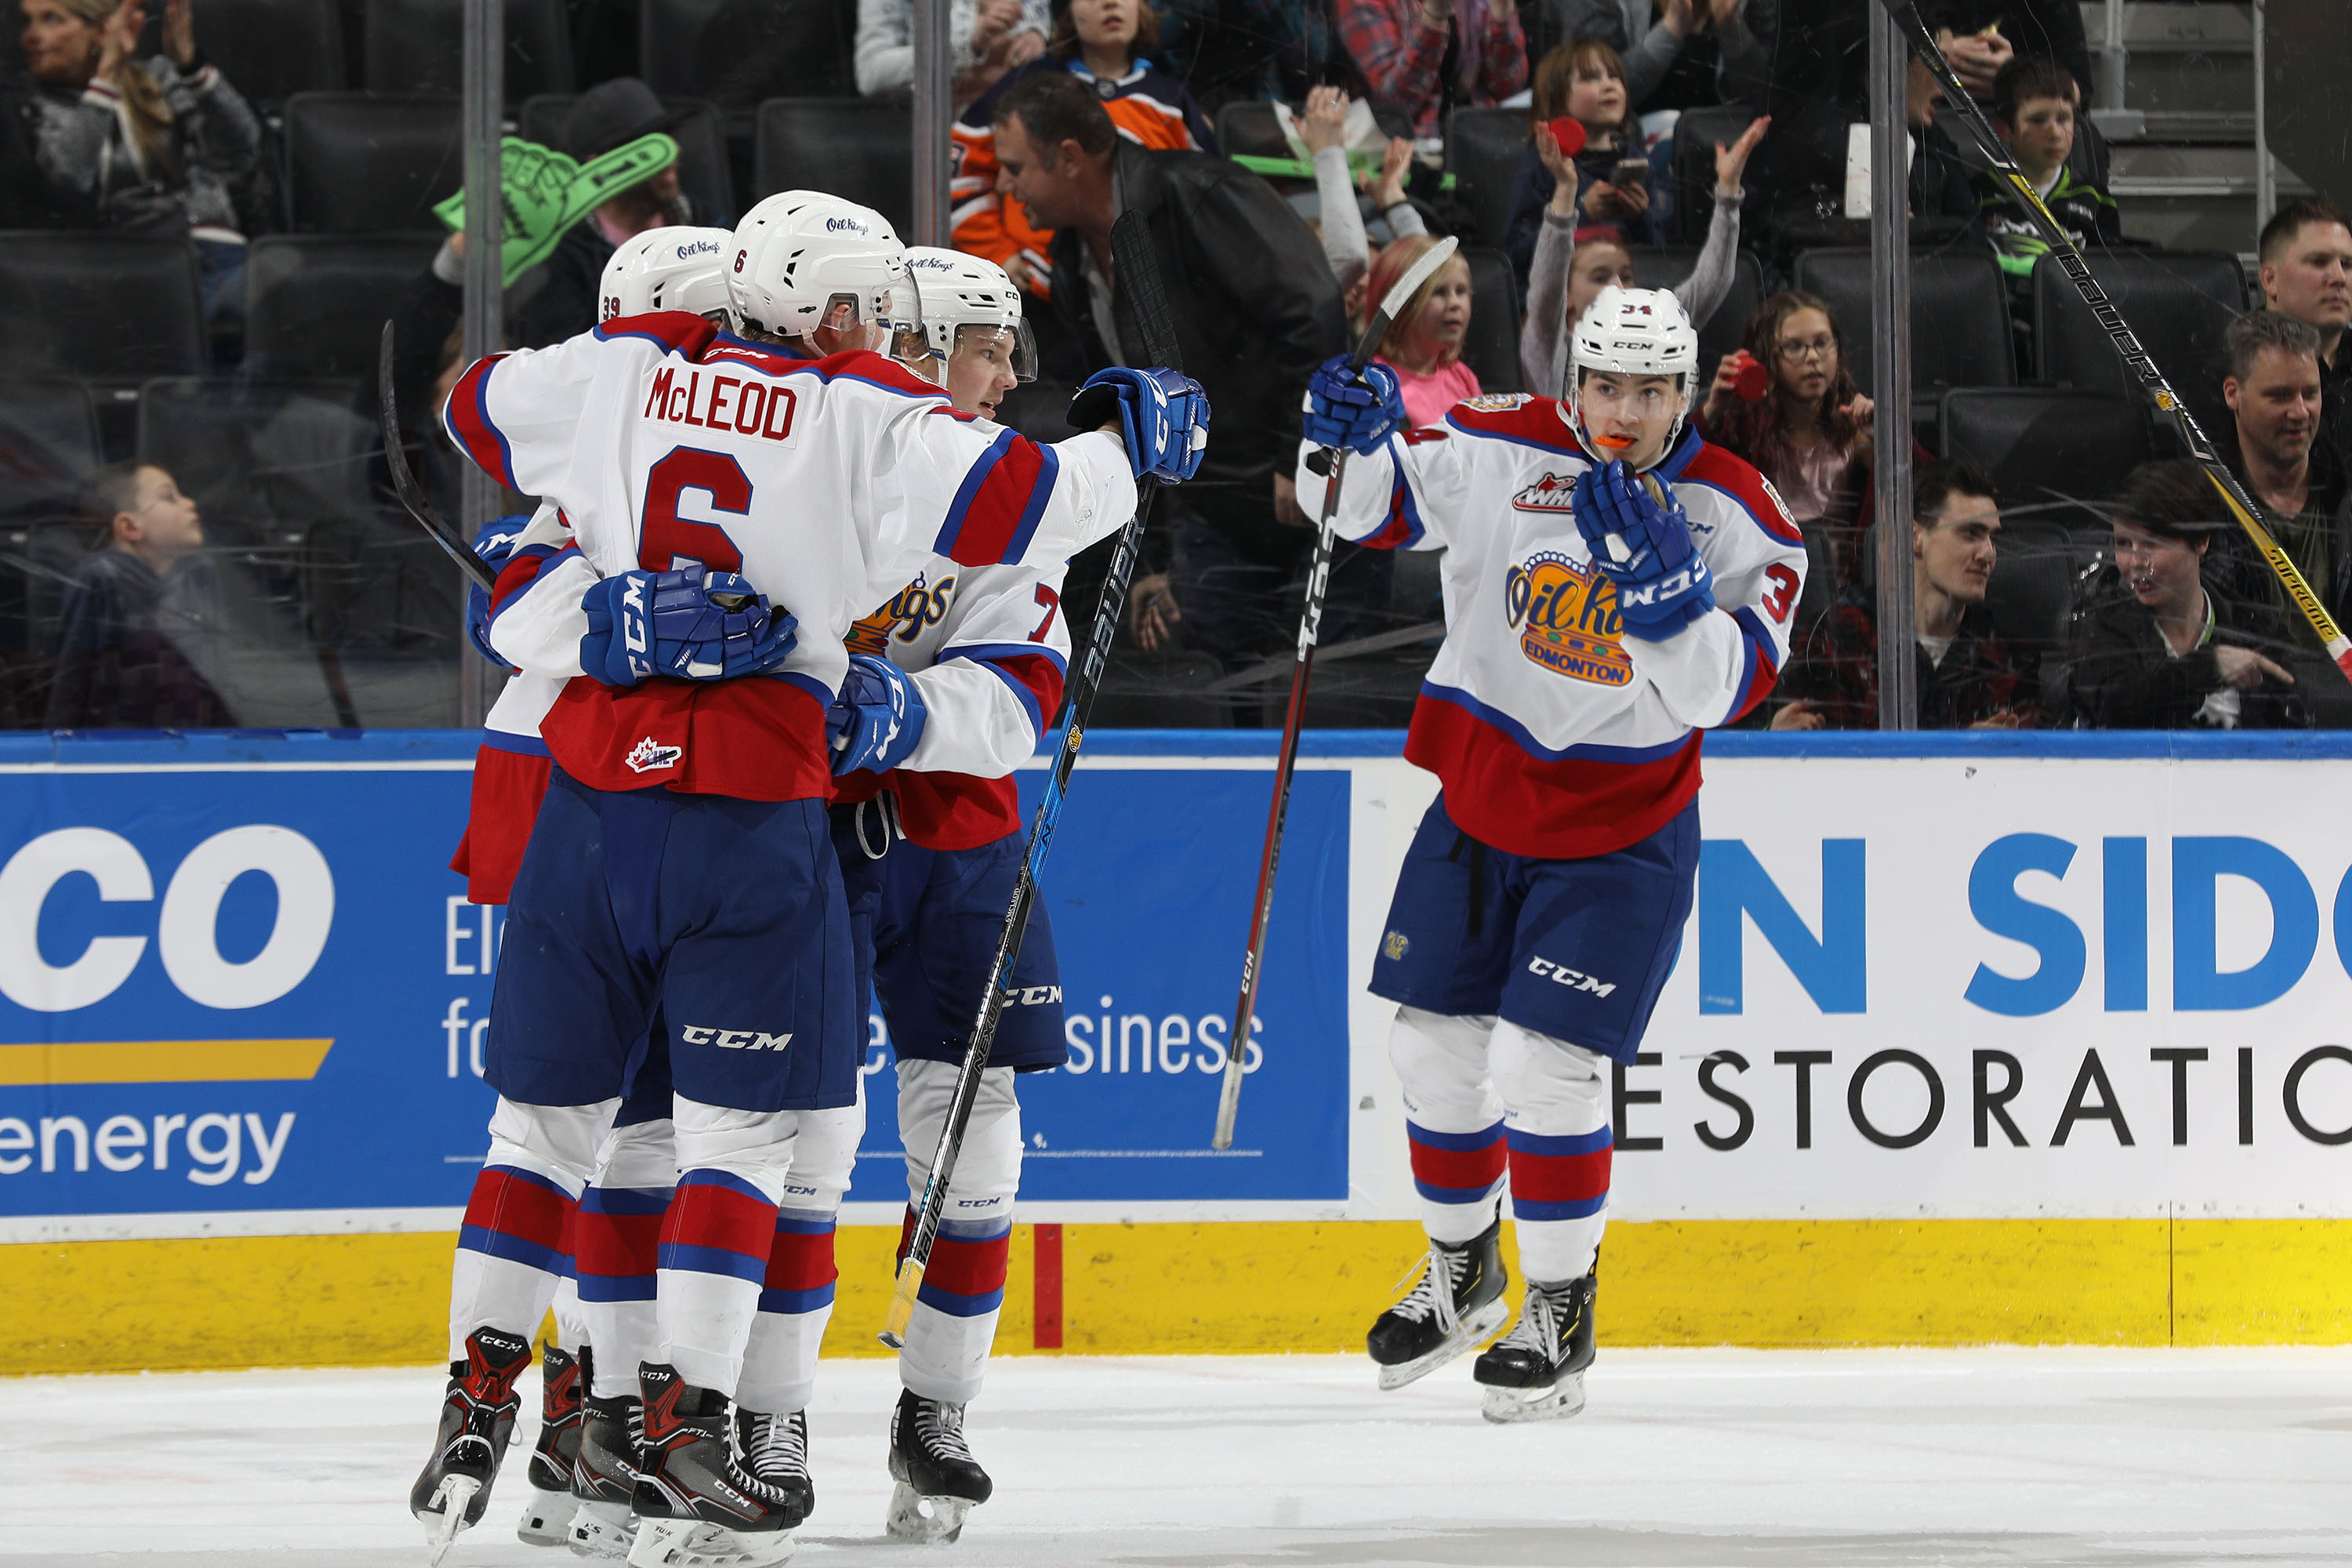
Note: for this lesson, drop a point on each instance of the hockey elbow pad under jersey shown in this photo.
(1643, 545)
(688, 623)
(1163, 413)
(877, 719)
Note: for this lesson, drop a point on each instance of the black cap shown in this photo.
(613, 114)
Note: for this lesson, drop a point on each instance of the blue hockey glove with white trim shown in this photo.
(1644, 548)
(496, 545)
(1163, 413)
(1343, 410)
(688, 623)
(877, 719)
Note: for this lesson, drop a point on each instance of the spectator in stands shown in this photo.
(1678, 54)
(2033, 111)
(2275, 446)
(610, 114)
(2306, 273)
(1425, 56)
(1573, 264)
(118, 664)
(1227, 51)
(1584, 81)
(161, 145)
(1423, 342)
(1345, 245)
(1943, 190)
(986, 39)
(2156, 647)
(1982, 37)
(1105, 44)
(1257, 309)
(1969, 676)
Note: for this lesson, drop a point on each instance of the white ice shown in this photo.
(1758, 1460)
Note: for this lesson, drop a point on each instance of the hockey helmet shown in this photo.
(798, 254)
(967, 293)
(674, 268)
(1634, 331)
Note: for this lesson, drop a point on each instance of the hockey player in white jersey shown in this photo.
(1614, 585)
(679, 864)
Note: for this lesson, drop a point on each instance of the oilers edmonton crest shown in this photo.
(1566, 615)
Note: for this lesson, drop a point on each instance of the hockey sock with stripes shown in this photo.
(795, 1305)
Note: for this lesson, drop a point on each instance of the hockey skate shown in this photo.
(1457, 1302)
(698, 1507)
(546, 1513)
(476, 1420)
(1535, 1372)
(939, 1481)
(604, 1479)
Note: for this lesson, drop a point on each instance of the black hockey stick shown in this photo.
(1139, 278)
(2138, 365)
(412, 495)
(1311, 625)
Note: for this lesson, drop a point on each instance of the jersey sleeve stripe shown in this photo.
(1762, 670)
(521, 745)
(1720, 470)
(1402, 528)
(673, 332)
(1034, 676)
(521, 570)
(996, 510)
(468, 417)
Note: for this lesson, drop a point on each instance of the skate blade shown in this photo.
(546, 1517)
(445, 1515)
(1478, 1327)
(603, 1531)
(908, 1521)
(691, 1543)
(1560, 1400)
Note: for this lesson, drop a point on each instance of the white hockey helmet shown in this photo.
(673, 269)
(1634, 331)
(964, 291)
(799, 253)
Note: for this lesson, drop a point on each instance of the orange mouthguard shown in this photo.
(1615, 444)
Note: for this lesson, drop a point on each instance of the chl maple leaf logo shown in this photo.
(648, 756)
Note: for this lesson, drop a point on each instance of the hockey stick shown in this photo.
(1138, 272)
(1310, 624)
(404, 483)
(2137, 363)
(1267, 670)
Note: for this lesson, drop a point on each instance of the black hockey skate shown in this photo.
(1535, 1372)
(775, 1449)
(939, 1481)
(604, 1479)
(546, 1513)
(696, 1504)
(1457, 1302)
(476, 1419)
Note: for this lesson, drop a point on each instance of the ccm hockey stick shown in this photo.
(1332, 461)
(1139, 276)
(2137, 363)
(404, 481)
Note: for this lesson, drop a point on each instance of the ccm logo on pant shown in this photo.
(733, 1039)
(1561, 974)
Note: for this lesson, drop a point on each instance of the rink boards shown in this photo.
(1976, 1038)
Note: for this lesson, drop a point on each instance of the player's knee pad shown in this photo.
(824, 1156)
(1548, 1086)
(559, 1142)
(1441, 1061)
(988, 1169)
(643, 1155)
(800, 1156)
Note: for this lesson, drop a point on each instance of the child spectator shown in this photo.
(1678, 54)
(1969, 676)
(1584, 81)
(160, 145)
(1106, 44)
(1324, 127)
(2034, 110)
(1423, 344)
(1421, 57)
(2157, 646)
(118, 664)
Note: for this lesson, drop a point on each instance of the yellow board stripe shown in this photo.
(161, 1061)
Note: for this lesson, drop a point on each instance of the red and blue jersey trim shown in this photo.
(522, 569)
(1759, 671)
(1537, 423)
(521, 745)
(1402, 527)
(673, 332)
(1036, 674)
(467, 416)
(1708, 465)
(996, 509)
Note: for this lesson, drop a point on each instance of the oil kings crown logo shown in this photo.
(1496, 402)
(917, 605)
(1566, 615)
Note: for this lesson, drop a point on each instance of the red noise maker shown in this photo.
(1569, 133)
(1750, 380)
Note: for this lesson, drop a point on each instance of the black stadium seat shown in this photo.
(266, 461)
(2178, 302)
(1492, 349)
(1247, 126)
(2043, 447)
(268, 50)
(1664, 265)
(1692, 164)
(48, 445)
(358, 163)
(1483, 148)
(857, 148)
(738, 53)
(100, 306)
(417, 46)
(701, 150)
(315, 303)
(1959, 314)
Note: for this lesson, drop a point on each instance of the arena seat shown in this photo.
(1492, 349)
(701, 149)
(2179, 304)
(1691, 164)
(267, 50)
(48, 445)
(740, 53)
(266, 460)
(362, 163)
(1664, 266)
(1247, 127)
(862, 149)
(2033, 587)
(2041, 446)
(1959, 314)
(417, 46)
(99, 305)
(1482, 150)
(315, 304)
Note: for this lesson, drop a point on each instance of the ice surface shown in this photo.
(1758, 1459)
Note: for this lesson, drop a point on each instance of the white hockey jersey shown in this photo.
(827, 483)
(1555, 735)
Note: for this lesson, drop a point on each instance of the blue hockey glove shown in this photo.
(496, 545)
(1645, 549)
(1163, 413)
(877, 719)
(1343, 411)
(688, 623)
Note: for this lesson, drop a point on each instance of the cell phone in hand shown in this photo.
(1631, 171)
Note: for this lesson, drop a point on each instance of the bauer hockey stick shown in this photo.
(1332, 462)
(412, 498)
(1138, 276)
(2137, 363)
